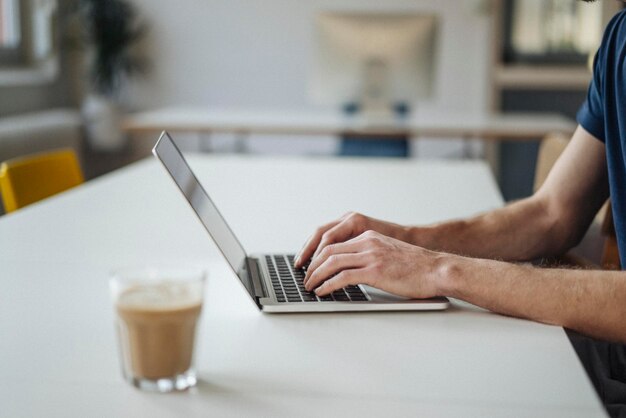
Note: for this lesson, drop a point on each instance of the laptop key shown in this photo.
(354, 294)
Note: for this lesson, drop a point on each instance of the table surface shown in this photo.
(513, 126)
(58, 349)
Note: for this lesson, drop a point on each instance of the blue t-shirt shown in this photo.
(604, 116)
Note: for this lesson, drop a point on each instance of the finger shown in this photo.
(341, 280)
(341, 232)
(333, 265)
(352, 246)
(311, 244)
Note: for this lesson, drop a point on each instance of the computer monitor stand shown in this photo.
(394, 143)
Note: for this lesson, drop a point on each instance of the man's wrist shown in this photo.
(448, 274)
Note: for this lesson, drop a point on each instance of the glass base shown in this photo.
(179, 382)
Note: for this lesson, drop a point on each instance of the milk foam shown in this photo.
(160, 295)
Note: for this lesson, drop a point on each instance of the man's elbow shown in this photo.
(561, 227)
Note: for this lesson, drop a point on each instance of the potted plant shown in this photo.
(111, 28)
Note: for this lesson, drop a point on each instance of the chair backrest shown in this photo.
(26, 180)
(550, 149)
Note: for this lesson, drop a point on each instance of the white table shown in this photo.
(465, 125)
(58, 354)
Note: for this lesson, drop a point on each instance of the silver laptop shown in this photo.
(270, 279)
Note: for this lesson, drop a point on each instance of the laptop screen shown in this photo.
(174, 162)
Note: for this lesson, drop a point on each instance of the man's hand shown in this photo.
(378, 261)
(348, 226)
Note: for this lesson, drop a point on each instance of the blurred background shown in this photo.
(346, 78)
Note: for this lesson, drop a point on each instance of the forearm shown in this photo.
(549, 223)
(591, 302)
(521, 231)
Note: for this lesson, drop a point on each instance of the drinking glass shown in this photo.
(157, 311)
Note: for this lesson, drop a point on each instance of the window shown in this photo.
(552, 31)
(10, 32)
(28, 51)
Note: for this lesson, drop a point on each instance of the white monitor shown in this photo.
(374, 60)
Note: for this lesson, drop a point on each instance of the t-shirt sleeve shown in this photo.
(591, 114)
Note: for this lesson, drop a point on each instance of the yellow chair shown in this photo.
(26, 180)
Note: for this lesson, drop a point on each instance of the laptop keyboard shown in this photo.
(287, 282)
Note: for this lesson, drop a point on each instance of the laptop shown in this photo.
(271, 280)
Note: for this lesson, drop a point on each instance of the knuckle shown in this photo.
(379, 250)
(373, 241)
(356, 223)
(372, 255)
(343, 277)
(327, 236)
(332, 259)
(327, 251)
(377, 267)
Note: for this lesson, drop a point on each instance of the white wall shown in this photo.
(256, 53)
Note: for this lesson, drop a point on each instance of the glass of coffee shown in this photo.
(157, 312)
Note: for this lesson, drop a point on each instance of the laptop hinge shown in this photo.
(257, 283)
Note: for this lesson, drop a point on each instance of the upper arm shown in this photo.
(577, 185)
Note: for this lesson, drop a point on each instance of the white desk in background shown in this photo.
(462, 125)
(58, 349)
